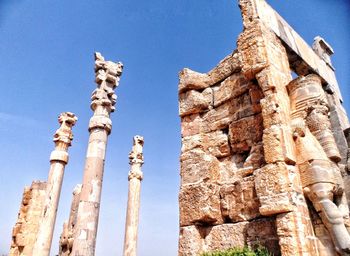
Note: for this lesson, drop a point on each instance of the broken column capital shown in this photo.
(136, 158)
(107, 76)
(63, 137)
(136, 155)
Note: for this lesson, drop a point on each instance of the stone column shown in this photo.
(132, 212)
(100, 126)
(58, 160)
(66, 239)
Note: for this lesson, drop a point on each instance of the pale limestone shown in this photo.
(132, 213)
(58, 160)
(103, 99)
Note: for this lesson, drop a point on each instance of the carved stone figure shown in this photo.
(317, 155)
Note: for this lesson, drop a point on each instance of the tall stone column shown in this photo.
(100, 126)
(58, 159)
(132, 213)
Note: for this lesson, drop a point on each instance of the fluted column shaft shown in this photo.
(100, 126)
(58, 161)
(133, 207)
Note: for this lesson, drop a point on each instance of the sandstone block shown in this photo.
(215, 143)
(190, 241)
(239, 201)
(230, 64)
(273, 110)
(196, 166)
(279, 144)
(273, 80)
(225, 236)
(220, 117)
(192, 101)
(215, 119)
(228, 170)
(245, 132)
(200, 204)
(231, 87)
(252, 49)
(274, 188)
(192, 80)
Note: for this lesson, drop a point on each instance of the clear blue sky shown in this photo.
(46, 67)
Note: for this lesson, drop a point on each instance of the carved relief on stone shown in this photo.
(136, 158)
(317, 155)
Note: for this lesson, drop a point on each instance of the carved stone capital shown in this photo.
(64, 133)
(107, 76)
(135, 174)
(136, 155)
(102, 122)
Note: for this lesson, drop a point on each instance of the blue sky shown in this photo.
(46, 67)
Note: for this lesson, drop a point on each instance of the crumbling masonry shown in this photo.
(264, 157)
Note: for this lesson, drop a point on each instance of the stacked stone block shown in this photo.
(222, 131)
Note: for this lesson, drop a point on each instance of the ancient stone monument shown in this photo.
(132, 214)
(264, 157)
(26, 228)
(58, 160)
(66, 238)
(103, 100)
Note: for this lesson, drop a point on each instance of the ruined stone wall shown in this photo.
(27, 225)
(241, 160)
(222, 130)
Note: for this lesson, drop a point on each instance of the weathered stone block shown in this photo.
(274, 188)
(279, 144)
(200, 204)
(225, 236)
(272, 80)
(228, 170)
(219, 118)
(239, 201)
(245, 132)
(190, 241)
(216, 119)
(231, 87)
(273, 110)
(252, 49)
(192, 101)
(192, 80)
(230, 64)
(215, 143)
(196, 166)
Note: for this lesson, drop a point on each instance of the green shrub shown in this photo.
(260, 251)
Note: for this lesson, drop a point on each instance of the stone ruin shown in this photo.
(27, 225)
(264, 156)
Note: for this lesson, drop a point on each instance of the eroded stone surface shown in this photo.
(26, 228)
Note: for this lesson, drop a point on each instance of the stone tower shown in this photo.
(103, 100)
(264, 156)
